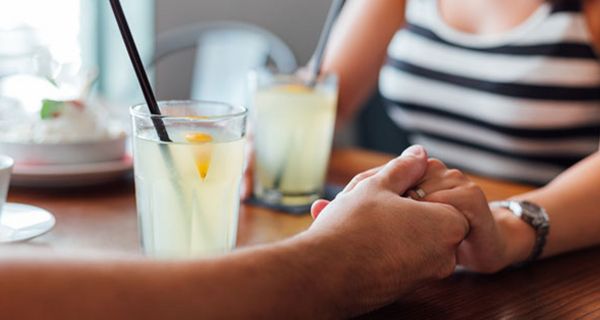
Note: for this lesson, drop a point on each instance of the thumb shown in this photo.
(405, 171)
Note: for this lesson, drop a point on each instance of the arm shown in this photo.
(269, 282)
(367, 248)
(358, 47)
(572, 201)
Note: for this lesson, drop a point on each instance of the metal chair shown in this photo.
(225, 53)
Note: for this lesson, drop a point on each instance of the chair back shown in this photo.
(225, 53)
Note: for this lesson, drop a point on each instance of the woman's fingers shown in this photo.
(437, 178)
(467, 198)
(446, 180)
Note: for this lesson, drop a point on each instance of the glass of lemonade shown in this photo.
(293, 133)
(187, 189)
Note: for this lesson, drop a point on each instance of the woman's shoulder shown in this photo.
(592, 15)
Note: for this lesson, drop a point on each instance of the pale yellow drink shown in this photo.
(293, 135)
(187, 190)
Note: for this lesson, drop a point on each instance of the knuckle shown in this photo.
(435, 164)
(361, 176)
(458, 229)
(378, 181)
(455, 174)
(350, 185)
(473, 188)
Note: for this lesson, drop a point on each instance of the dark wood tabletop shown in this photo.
(98, 222)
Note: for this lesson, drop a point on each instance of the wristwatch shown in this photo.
(533, 215)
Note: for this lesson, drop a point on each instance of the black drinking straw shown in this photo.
(317, 58)
(138, 66)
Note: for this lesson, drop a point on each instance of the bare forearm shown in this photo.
(274, 282)
(573, 204)
(358, 48)
(572, 201)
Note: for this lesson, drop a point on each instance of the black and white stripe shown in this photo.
(523, 106)
(567, 49)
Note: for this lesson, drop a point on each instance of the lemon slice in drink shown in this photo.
(198, 137)
(197, 117)
(202, 151)
(295, 88)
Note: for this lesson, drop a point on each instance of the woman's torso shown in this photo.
(523, 105)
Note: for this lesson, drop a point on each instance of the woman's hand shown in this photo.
(489, 246)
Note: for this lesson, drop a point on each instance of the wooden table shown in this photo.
(101, 222)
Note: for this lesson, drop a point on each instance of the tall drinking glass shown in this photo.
(293, 133)
(187, 190)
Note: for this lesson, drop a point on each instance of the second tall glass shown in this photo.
(293, 133)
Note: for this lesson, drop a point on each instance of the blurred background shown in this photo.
(184, 43)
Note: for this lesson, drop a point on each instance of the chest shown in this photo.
(486, 17)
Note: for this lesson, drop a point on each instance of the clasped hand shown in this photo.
(414, 235)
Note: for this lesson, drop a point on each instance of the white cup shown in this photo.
(6, 165)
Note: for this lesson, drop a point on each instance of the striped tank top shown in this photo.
(523, 105)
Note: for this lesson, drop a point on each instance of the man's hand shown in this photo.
(389, 243)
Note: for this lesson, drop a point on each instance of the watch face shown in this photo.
(530, 208)
(536, 217)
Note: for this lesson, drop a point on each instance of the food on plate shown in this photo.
(50, 118)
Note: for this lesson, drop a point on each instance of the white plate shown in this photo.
(70, 153)
(70, 175)
(22, 222)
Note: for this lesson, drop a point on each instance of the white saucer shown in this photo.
(70, 175)
(20, 222)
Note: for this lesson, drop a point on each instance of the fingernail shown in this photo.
(313, 211)
(416, 150)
